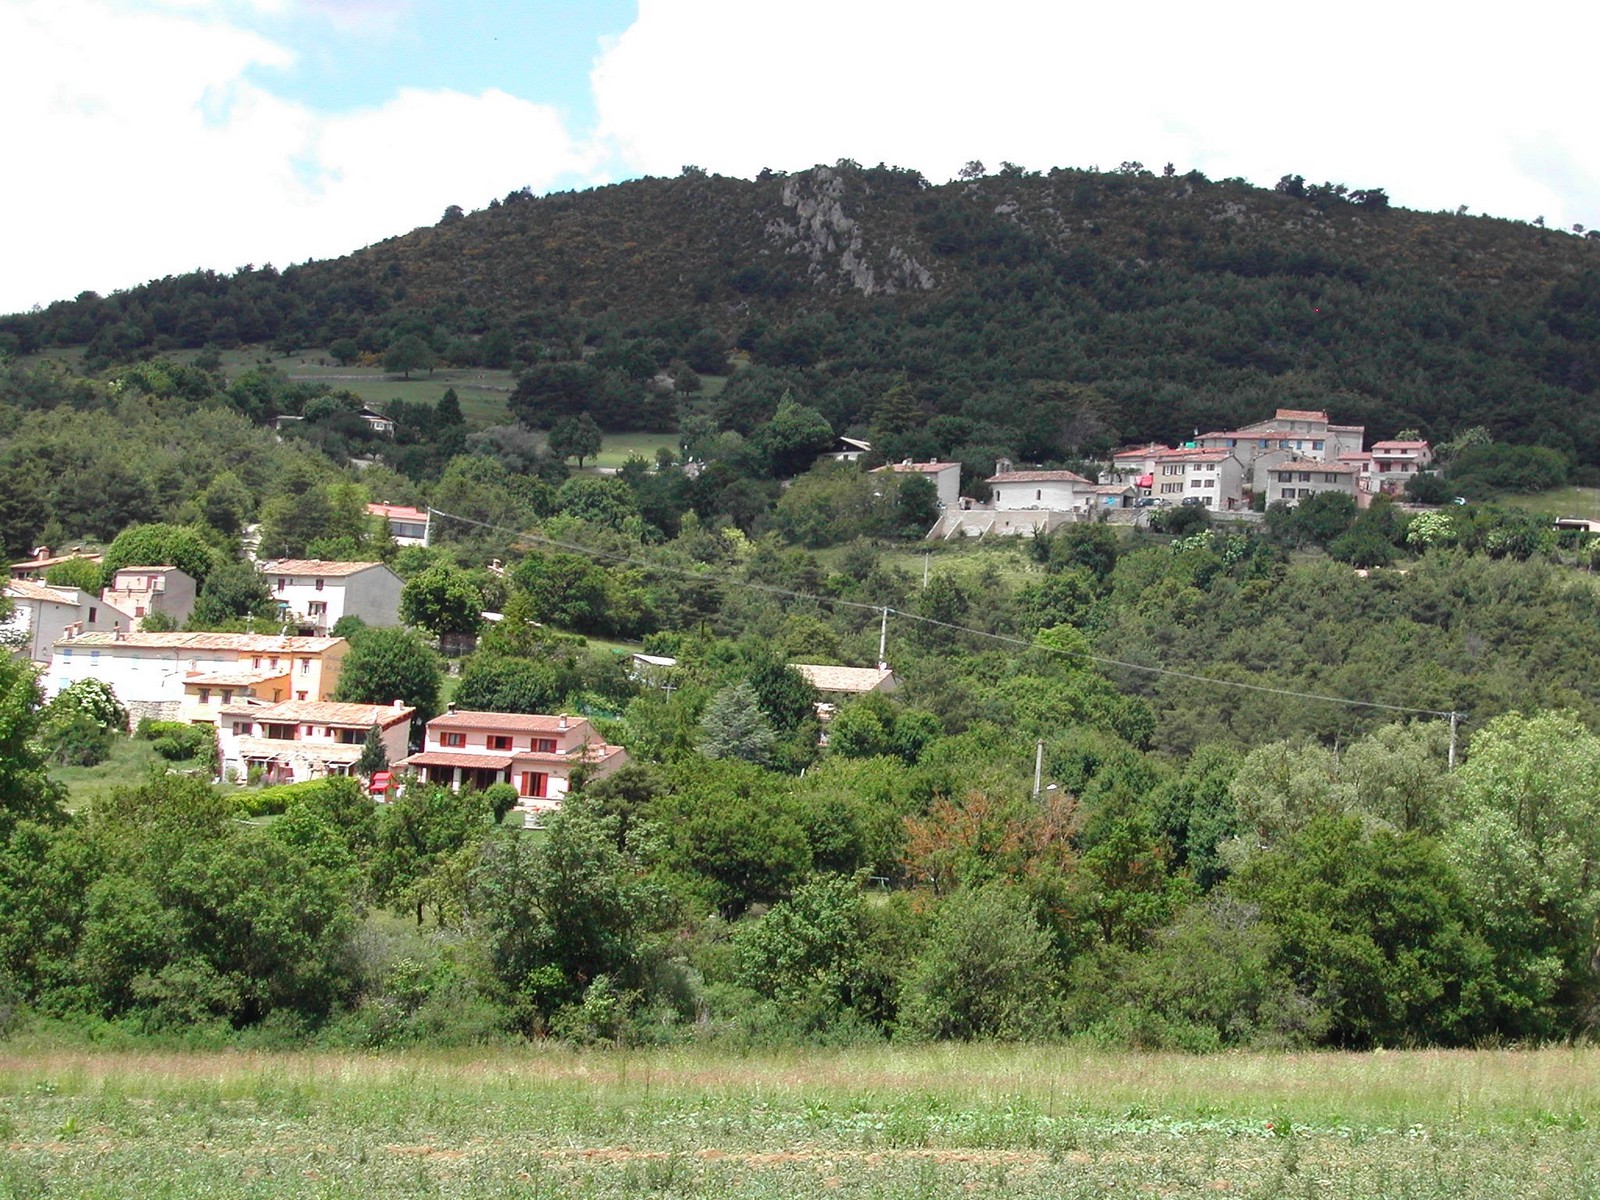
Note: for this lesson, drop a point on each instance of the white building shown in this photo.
(1395, 462)
(1291, 482)
(407, 526)
(149, 671)
(946, 478)
(1212, 479)
(41, 615)
(300, 740)
(1053, 491)
(145, 590)
(313, 594)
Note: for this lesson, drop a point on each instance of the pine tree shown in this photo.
(374, 757)
(735, 727)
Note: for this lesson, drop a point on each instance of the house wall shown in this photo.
(1050, 495)
(140, 593)
(1304, 483)
(373, 595)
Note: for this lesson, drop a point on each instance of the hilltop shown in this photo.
(1052, 313)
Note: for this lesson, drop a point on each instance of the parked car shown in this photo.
(1193, 501)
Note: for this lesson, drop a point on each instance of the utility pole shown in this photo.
(1454, 717)
(883, 641)
(925, 557)
(1038, 767)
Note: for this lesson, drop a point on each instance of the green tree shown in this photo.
(80, 573)
(808, 953)
(987, 971)
(497, 683)
(734, 726)
(407, 354)
(374, 756)
(233, 591)
(26, 792)
(790, 442)
(155, 546)
(442, 600)
(344, 351)
(575, 437)
(385, 665)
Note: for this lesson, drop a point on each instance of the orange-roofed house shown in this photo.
(145, 590)
(1395, 462)
(299, 740)
(535, 753)
(407, 526)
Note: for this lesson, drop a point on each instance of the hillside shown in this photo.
(1046, 314)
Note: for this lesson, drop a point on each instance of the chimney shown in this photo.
(402, 704)
(1002, 466)
(448, 708)
(563, 725)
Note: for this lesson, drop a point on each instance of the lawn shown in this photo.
(875, 1121)
(615, 448)
(1560, 502)
(131, 760)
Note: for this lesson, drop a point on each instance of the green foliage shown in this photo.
(233, 591)
(78, 573)
(575, 437)
(987, 971)
(155, 546)
(734, 726)
(442, 600)
(493, 683)
(385, 665)
(26, 792)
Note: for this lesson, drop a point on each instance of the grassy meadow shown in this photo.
(881, 1122)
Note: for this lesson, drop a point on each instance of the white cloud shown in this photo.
(140, 147)
(1420, 99)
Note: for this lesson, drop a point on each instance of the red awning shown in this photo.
(380, 781)
(1146, 480)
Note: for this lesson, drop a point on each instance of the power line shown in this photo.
(885, 610)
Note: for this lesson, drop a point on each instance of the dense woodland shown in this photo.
(1204, 865)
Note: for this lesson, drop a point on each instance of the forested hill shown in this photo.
(1052, 314)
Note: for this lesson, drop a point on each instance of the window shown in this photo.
(535, 783)
(281, 733)
(499, 741)
(227, 695)
(1330, 478)
(1288, 493)
(1305, 477)
(452, 739)
(256, 662)
(1038, 493)
(273, 662)
(544, 745)
(241, 727)
(1316, 445)
(282, 583)
(138, 611)
(320, 582)
(317, 608)
(205, 695)
(299, 695)
(305, 666)
(94, 614)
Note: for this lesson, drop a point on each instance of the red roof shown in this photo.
(1139, 451)
(1300, 414)
(397, 511)
(450, 758)
(1399, 445)
(502, 722)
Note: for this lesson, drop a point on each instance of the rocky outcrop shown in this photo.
(833, 244)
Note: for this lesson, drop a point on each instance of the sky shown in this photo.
(144, 138)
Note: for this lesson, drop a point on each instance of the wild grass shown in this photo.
(1558, 502)
(885, 1122)
(615, 448)
(130, 761)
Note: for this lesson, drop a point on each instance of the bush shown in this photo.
(274, 801)
(176, 742)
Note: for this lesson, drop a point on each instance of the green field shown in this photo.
(615, 448)
(947, 1121)
(1561, 502)
(131, 760)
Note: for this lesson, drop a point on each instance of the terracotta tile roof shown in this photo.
(1347, 428)
(244, 643)
(398, 512)
(843, 679)
(328, 712)
(27, 589)
(231, 678)
(40, 564)
(454, 758)
(506, 722)
(1313, 468)
(1399, 445)
(145, 570)
(1355, 456)
(1300, 414)
(328, 752)
(314, 567)
(1216, 454)
(1037, 477)
(1139, 451)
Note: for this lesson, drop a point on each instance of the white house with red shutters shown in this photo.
(535, 753)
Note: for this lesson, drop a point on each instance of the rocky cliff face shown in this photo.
(834, 244)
